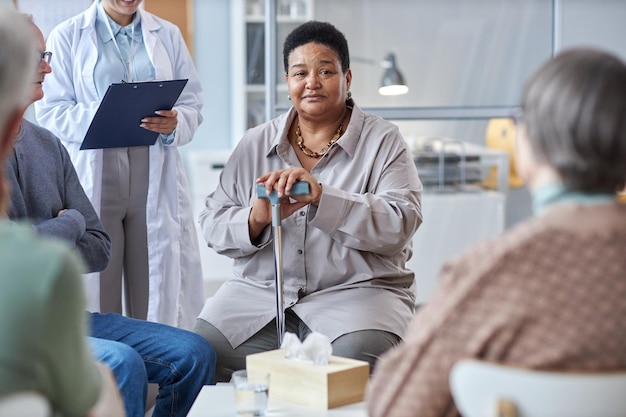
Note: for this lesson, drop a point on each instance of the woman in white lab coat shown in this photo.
(72, 95)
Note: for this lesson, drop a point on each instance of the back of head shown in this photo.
(575, 117)
(318, 32)
(18, 59)
(17, 62)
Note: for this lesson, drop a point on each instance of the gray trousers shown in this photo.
(365, 345)
(123, 215)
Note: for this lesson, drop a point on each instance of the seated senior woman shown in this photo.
(548, 294)
(43, 350)
(345, 244)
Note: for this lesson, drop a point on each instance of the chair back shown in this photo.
(24, 404)
(484, 389)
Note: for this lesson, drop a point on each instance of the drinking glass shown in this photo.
(251, 392)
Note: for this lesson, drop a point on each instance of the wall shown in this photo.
(597, 23)
(212, 58)
(591, 22)
(451, 52)
(490, 29)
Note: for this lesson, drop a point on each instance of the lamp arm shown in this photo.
(381, 63)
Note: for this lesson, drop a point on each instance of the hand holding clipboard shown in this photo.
(117, 121)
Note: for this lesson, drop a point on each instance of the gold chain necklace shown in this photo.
(313, 154)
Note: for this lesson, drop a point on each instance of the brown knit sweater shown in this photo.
(548, 294)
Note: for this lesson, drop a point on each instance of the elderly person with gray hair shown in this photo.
(548, 294)
(42, 321)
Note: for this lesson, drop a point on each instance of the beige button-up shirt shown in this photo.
(344, 262)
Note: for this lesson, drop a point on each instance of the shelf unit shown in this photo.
(248, 59)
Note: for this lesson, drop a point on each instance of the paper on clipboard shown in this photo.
(116, 122)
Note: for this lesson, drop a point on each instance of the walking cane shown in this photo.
(299, 188)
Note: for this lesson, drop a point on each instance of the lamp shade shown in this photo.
(392, 82)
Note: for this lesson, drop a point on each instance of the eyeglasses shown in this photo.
(44, 56)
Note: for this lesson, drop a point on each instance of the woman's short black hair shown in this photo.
(319, 32)
(575, 117)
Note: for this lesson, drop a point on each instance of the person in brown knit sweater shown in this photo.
(549, 293)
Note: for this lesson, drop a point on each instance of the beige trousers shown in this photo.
(123, 215)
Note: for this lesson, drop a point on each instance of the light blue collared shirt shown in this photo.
(110, 66)
(555, 193)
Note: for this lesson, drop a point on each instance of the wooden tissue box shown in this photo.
(342, 381)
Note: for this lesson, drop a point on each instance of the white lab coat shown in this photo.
(70, 102)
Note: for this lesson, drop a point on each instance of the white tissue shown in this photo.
(316, 348)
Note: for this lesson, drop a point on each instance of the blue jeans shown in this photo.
(129, 371)
(141, 352)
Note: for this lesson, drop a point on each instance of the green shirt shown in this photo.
(43, 325)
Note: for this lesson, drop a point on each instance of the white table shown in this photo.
(219, 401)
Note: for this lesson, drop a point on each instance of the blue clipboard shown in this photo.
(116, 122)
